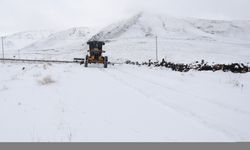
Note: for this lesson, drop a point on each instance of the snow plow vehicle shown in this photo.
(95, 54)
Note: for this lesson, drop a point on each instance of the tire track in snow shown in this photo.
(114, 77)
(180, 92)
(220, 105)
(186, 112)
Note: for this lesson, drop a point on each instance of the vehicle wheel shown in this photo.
(105, 62)
(86, 61)
(82, 62)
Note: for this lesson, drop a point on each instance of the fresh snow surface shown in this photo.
(67, 102)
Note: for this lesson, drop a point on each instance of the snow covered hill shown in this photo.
(19, 40)
(182, 40)
(60, 45)
(63, 39)
(179, 39)
(145, 25)
(48, 44)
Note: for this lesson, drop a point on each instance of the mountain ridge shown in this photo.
(179, 39)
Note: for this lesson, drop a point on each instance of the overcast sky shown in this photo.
(21, 15)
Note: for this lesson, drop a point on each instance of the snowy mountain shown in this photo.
(179, 39)
(63, 39)
(19, 40)
(227, 29)
(60, 44)
(149, 25)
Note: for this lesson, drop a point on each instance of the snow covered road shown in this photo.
(122, 103)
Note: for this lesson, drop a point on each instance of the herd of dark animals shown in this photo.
(199, 66)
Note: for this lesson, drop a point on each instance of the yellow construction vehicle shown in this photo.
(95, 54)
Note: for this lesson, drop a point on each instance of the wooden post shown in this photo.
(2, 47)
(156, 48)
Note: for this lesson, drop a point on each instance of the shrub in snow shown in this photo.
(4, 88)
(46, 80)
(237, 83)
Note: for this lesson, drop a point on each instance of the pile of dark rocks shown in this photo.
(199, 66)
